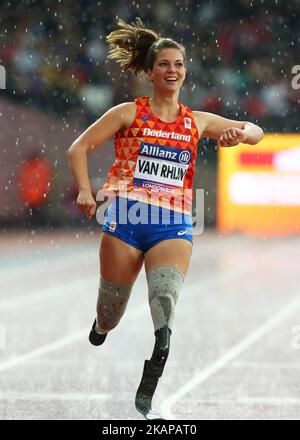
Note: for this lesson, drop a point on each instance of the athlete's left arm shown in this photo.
(228, 132)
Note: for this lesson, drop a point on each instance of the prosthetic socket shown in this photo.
(111, 303)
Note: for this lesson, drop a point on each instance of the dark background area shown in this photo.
(58, 81)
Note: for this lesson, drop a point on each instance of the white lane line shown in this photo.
(57, 345)
(19, 266)
(192, 289)
(65, 288)
(43, 263)
(54, 291)
(60, 343)
(229, 355)
(288, 365)
(274, 401)
(60, 289)
(46, 262)
(46, 293)
(280, 401)
(81, 397)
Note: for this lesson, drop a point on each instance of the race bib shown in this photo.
(160, 167)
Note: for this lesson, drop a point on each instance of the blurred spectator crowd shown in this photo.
(239, 55)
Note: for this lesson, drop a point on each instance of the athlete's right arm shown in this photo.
(115, 119)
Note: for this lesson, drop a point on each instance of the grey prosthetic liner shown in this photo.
(164, 285)
(111, 303)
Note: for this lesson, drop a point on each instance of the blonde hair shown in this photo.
(135, 47)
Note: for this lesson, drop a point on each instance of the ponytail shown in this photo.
(130, 44)
(135, 47)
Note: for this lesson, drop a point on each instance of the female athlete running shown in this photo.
(156, 142)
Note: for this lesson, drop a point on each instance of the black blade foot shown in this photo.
(95, 338)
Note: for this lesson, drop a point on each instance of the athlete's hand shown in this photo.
(231, 137)
(86, 203)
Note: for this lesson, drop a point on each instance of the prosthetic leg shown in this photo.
(153, 370)
(111, 305)
(164, 284)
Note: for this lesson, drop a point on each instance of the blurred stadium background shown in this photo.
(58, 81)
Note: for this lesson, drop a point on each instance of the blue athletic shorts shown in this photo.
(143, 225)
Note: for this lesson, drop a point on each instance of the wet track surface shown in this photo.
(234, 349)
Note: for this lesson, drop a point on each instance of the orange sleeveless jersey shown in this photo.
(155, 160)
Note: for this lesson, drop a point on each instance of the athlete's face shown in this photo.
(168, 72)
